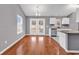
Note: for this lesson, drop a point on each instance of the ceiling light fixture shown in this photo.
(37, 10)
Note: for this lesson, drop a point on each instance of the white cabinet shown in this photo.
(52, 20)
(65, 21)
(56, 22)
(63, 37)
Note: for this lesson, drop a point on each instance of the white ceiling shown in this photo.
(47, 9)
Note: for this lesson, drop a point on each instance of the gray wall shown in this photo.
(73, 41)
(46, 23)
(8, 24)
(73, 25)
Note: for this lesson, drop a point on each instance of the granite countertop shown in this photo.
(68, 31)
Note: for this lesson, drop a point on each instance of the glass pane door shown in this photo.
(37, 26)
(41, 26)
(33, 26)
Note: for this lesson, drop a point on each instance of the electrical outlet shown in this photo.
(6, 42)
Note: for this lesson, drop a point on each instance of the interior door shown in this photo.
(37, 26)
(41, 26)
(33, 26)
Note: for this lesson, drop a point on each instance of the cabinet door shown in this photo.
(65, 21)
(53, 21)
(62, 39)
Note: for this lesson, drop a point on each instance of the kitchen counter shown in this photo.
(69, 39)
(68, 31)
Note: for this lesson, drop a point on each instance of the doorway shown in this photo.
(37, 26)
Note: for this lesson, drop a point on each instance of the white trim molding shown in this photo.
(72, 51)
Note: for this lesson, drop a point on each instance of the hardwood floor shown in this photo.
(36, 45)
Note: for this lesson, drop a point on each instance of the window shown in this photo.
(19, 24)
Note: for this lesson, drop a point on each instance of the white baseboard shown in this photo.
(72, 51)
(11, 44)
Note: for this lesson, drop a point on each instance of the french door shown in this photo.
(37, 26)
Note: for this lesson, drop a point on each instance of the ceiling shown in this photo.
(47, 9)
